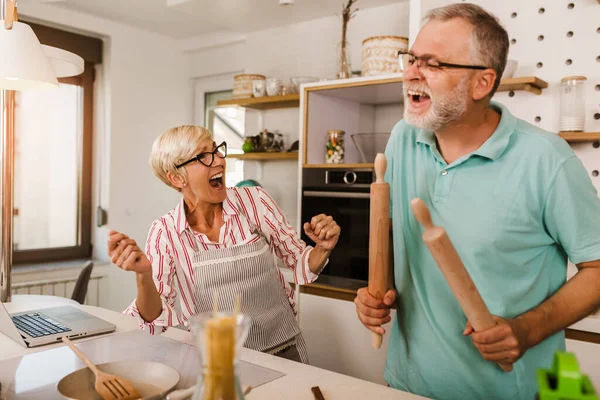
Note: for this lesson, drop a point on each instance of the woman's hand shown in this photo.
(126, 254)
(323, 230)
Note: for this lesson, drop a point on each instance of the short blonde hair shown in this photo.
(175, 146)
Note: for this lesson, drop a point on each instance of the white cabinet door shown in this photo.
(588, 356)
(337, 341)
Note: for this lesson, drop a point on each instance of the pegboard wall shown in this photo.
(551, 39)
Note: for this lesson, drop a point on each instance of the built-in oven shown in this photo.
(343, 194)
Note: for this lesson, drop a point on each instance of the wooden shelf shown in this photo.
(264, 103)
(580, 136)
(293, 155)
(530, 84)
(338, 166)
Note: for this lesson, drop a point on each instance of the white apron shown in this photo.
(250, 272)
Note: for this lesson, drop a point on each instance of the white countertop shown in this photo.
(296, 383)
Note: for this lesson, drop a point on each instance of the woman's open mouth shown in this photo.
(216, 181)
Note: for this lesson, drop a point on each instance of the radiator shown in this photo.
(63, 288)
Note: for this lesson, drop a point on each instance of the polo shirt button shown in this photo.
(444, 172)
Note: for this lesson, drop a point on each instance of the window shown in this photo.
(52, 215)
(226, 124)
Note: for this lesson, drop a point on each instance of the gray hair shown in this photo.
(174, 147)
(490, 39)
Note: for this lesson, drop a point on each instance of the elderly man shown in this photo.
(516, 202)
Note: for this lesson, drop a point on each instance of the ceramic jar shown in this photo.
(274, 87)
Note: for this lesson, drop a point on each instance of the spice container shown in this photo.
(572, 103)
(335, 147)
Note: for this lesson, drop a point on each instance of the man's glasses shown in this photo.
(207, 158)
(406, 60)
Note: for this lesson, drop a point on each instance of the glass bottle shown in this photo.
(335, 146)
(572, 103)
(219, 338)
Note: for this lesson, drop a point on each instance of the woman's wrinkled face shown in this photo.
(207, 183)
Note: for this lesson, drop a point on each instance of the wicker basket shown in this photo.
(242, 85)
(380, 54)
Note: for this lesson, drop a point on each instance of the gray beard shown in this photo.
(443, 110)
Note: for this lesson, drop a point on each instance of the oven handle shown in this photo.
(343, 195)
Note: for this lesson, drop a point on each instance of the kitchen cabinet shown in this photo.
(363, 105)
(588, 357)
(337, 341)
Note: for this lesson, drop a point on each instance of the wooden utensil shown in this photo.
(379, 238)
(441, 248)
(109, 387)
(317, 393)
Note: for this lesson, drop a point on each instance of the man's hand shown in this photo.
(373, 312)
(505, 343)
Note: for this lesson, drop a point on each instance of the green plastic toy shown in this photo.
(564, 381)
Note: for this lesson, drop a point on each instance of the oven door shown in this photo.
(350, 209)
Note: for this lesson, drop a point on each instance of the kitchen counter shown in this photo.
(296, 383)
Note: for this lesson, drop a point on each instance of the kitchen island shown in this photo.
(295, 384)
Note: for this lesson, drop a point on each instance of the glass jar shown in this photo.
(572, 103)
(335, 147)
(219, 338)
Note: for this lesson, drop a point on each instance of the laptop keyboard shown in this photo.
(38, 325)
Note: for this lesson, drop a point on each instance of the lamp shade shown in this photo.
(23, 64)
(64, 63)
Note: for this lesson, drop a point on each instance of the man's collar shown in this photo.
(494, 146)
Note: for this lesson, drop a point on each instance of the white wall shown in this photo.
(145, 89)
(303, 49)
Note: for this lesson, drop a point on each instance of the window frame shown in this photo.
(90, 49)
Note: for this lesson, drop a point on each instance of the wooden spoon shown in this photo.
(109, 387)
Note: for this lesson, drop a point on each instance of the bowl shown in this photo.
(510, 69)
(152, 380)
(369, 144)
(299, 80)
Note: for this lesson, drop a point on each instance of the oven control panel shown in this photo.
(340, 177)
(349, 179)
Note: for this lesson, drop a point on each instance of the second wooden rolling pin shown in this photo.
(379, 237)
(441, 248)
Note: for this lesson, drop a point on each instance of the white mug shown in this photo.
(259, 88)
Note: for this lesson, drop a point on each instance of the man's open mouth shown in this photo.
(417, 96)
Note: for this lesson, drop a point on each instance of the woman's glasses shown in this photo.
(207, 158)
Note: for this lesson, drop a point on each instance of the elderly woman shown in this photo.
(220, 240)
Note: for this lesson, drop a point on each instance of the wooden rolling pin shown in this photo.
(453, 269)
(379, 238)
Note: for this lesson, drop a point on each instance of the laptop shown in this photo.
(49, 325)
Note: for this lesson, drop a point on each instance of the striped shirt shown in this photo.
(248, 214)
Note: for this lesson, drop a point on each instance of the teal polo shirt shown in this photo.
(515, 209)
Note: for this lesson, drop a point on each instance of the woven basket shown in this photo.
(242, 85)
(380, 54)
